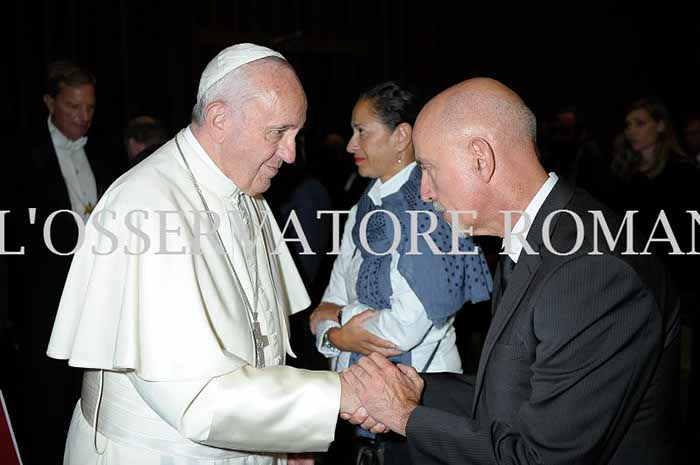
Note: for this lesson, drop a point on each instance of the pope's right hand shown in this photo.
(352, 410)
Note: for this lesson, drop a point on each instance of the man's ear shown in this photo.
(216, 119)
(50, 102)
(402, 136)
(484, 159)
(661, 127)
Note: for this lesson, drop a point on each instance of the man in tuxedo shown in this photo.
(67, 174)
(580, 364)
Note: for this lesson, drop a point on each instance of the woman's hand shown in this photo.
(325, 311)
(353, 337)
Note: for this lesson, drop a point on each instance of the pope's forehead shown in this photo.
(273, 73)
(284, 88)
(284, 99)
(276, 107)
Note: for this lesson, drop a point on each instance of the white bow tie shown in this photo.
(71, 145)
(62, 142)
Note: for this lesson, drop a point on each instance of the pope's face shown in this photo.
(264, 133)
(72, 110)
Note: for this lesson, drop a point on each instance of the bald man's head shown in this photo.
(477, 144)
(485, 108)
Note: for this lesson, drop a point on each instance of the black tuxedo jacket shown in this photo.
(580, 364)
(47, 389)
(47, 190)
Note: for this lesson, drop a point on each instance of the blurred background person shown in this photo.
(653, 174)
(652, 171)
(143, 136)
(68, 171)
(691, 136)
(691, 144)
(569, 148)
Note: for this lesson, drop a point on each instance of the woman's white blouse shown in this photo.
(405, 324)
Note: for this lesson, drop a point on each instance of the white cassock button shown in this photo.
(274, 337)
(278, 359)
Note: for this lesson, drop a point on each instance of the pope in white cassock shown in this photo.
(180, 317)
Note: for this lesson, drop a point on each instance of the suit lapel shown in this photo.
(497, 289)
(49, 172)
(506, 303)
(504, 309)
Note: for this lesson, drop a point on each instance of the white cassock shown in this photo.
(165, 335)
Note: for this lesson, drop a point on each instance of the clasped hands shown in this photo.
(378, 395)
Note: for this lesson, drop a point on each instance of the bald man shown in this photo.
(580, 362)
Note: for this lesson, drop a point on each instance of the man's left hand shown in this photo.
(388, 393)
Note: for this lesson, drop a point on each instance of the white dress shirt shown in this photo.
(76, 171)
(522, 226)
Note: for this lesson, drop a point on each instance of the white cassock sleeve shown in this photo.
(275, 409)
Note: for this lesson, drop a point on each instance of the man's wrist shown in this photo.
(404, 418)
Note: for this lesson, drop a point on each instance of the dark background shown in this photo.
(148, 56)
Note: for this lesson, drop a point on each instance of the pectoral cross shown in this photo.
(261, 341)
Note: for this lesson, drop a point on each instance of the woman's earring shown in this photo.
(400, 156)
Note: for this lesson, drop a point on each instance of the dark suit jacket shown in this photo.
(48, 192)
(45, 190)
(580, 364)
(48, 389)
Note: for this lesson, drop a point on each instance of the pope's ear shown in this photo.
(216, 119)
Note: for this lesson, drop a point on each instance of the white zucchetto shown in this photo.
(228, 60)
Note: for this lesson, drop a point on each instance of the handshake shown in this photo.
(375, 393)
(378, 395)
